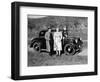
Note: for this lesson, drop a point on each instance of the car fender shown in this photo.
(34, 40)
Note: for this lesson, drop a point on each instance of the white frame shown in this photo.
(25, 70)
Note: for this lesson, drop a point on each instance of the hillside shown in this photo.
(77, 26)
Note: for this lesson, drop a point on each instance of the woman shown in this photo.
(57, 41)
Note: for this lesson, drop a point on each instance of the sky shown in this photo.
(36, 16)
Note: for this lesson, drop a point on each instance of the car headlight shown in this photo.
(79, 46)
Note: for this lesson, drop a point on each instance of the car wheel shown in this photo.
(36, 46)
(69, 49)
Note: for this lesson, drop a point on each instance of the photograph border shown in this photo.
(15, 39)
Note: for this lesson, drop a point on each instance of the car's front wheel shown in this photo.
(69, 49)
(36, 46)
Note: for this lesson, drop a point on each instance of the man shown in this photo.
(47, 37)
(57, 41)
(65, 34)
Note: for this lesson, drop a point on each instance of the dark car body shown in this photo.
(70, 45)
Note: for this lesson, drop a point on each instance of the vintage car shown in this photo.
(70, 45)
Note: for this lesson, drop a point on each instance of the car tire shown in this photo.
(69, 49)
(36, 46)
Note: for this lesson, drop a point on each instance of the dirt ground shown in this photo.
(43, 59)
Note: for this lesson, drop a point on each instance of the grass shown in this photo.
(43, 59)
